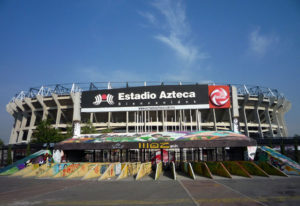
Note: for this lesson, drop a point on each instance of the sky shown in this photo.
(238, 42)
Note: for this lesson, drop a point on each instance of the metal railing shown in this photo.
(65, 89)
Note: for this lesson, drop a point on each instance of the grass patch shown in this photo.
(270, 169)
(217, 168)
(235, 169)
(253, 169)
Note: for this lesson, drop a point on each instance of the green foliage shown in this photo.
(88, 128)
(45, 133)
(201, 168)
(108, 130)
(28, 150)
(253, 169)
(271, 170)
(282, 148)
(235, 169)
(9, 158)
(217, 169)
(1, 143)
(69, 131)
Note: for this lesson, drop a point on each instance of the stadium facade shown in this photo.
(136, 107)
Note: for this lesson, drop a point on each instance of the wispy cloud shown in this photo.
(260, 44)
(178, 32)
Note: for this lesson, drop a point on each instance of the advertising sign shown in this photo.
(219, 97)
(164, 97)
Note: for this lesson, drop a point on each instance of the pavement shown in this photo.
(274, 190)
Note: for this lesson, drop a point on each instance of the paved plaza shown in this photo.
(202, 191)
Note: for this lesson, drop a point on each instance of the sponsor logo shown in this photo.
(104, 98)
(219, 97)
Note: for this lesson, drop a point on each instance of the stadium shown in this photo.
(257, 112)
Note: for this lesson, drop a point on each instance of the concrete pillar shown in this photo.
(127, 118)
(267, 114)
(45, 109)
(234, 123)
(260, 99)
(32, 119)
(22, 127)
(59, 112)
(76, 113)
(246, 131)
(215, 119)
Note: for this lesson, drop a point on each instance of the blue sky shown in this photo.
(244, 42)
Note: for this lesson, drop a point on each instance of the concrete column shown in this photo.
(76, 113)
(32, 119)
(45, 109)
(163, 119)
(246, 131)
(14, 137)
(127, 117)
(199, 120)
(260, 99)
(234, 123)
(22, 127)
(215, 119)
(267, 114)
(58, 114)
(191, 120)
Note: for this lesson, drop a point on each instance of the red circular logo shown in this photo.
(219, 97)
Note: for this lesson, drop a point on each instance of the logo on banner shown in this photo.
(219, 96)
(104, 98)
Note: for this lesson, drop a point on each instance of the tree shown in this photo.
(1, 143)
(28, 149)
(69, 131)
(9, 159)
(88, 128)
(45, 133)
(107, 130)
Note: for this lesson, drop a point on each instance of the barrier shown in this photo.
(56, 168)
(124, 173)
(253, 169)
(217, 168)
(145, 169)
(96, 171)
(22, 172)
(82, 170)
(10, 171)
(235, 168)
(158, 170)
(38, 171)
(202, 169)
(68, 170)
(191, 171)
(187, 168)
(133, 168)
(173, 168)
(280, 161)
(109, 173)
(270, 169)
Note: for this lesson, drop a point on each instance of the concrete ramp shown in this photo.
(235, 168)
(253, 169)
(187, 168)
(158, 170)
(21, 164)
(270, 169)
(280, 161)
(82, 170)
(202, 169)
(217, 168)
(145, 169)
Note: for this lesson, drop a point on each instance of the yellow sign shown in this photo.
(161, 145)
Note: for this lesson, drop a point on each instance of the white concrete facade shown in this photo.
(259, 114)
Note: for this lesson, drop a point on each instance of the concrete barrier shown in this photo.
(202, 169)
(173, 168)
(24, 171)
(158, 170)
(191, 171)
(96, 171)
(217, 168)
(40, 170)
(234, 168)
(109, 173)
(145, 169)
(124, 174)
(82, 170)
(270, 169)
(253, 169)
(67, 170)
